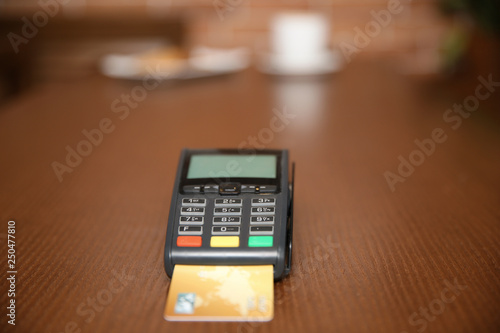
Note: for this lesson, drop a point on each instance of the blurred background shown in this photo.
(64, 40)
(365, 80)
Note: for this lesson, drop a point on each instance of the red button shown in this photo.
(189, 241)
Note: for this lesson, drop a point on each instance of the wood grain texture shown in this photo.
(365, 258)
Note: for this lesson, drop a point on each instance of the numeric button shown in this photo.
(227, 220)
(228, 202)
(227, 211)
(263, 210)
(192, 211)
(225, 230)
(191, 220)
(262, 219)
(263, 201)
(195, 202)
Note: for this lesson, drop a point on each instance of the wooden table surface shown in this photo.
(89, 248)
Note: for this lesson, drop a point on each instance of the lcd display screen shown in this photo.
(232, 166)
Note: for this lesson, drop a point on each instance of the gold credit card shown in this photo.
(221, 293)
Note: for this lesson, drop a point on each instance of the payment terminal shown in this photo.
(231, 207)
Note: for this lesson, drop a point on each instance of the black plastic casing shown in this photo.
(279, 255)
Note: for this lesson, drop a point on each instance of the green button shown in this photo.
(260, 241)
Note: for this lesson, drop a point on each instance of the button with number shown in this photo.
(227, 211)
(227, 220)
(262, 210)
(261, 230)
(191, 220)
(263, 202)
(197, 202)
(190, 230)
(262, 219)
(228, 202)
(226, 230)
(192, 211)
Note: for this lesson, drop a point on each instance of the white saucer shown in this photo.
(324, 63)
(202, 62)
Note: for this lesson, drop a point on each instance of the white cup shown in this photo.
(299, 39)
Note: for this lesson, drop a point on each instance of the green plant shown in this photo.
(486, 13)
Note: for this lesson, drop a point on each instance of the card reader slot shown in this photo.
(289, 233)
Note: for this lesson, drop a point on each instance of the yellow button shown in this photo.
(225, 241)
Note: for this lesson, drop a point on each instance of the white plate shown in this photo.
(324, 63)
(202, 62)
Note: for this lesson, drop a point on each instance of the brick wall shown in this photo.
(413, 37)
